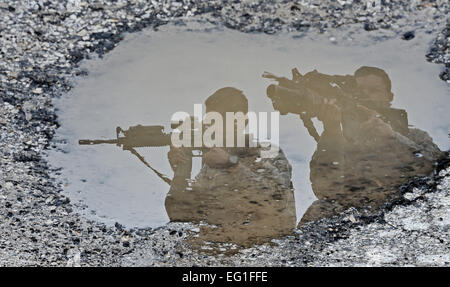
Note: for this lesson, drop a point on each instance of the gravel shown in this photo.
(41, 45)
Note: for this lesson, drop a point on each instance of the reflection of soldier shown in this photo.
(246, 198)
(366, 149)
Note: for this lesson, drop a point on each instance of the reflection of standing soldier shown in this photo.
(248, 199)
(366, 149)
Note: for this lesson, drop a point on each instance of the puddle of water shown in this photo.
(349, 135)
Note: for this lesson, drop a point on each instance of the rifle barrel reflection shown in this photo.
(93, 142)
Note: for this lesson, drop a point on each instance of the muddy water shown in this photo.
(348, 135)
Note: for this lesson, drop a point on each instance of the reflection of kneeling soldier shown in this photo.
(246, 198)
(366, 149)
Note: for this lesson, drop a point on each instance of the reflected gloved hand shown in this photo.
(176, 157)
(330, 115)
